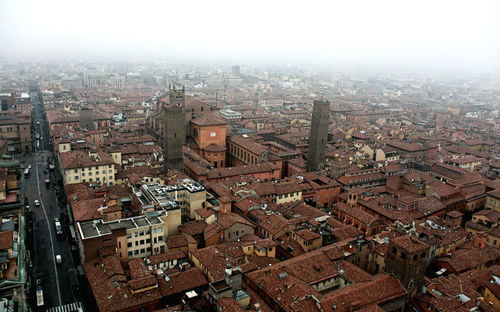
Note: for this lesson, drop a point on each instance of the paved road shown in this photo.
(39, 124)
(58, 280)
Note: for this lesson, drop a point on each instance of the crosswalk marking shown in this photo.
(70, 307)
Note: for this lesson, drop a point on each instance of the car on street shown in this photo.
(37, 202)
(29, 166)
(58, 227)
(58, 259)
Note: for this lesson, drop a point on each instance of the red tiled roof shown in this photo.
(6, 240)
(308, 235)
(409, 243)
(253, 147)
(382, 288)
(214, 148)
(181, 282)
(205, 120)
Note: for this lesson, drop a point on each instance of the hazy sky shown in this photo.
(450, 33)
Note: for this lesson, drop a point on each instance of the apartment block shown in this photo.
(80, 166)
(186, 194)
(135, 237)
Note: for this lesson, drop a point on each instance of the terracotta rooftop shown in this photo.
(308, 235)
(409, 243)
(6, 240)
(205, 120)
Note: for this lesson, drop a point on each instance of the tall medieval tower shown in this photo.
(318, 136)
(174, 129)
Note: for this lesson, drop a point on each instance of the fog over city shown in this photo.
(461, 35)
(249, 156)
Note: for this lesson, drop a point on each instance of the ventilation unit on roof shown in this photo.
(282, 275)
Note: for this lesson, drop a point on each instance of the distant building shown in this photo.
(230, 114)
(235, 70)
(97, 78)
(318, 136)
(174, 129)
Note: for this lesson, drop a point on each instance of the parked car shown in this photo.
(58, 227)
(58, 259)
(37, 202)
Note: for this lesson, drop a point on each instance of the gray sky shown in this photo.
(428, 32)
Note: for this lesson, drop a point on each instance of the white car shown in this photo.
(58, 259)
(29, 166)
(37, 202)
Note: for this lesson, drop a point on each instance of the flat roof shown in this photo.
(96, 228)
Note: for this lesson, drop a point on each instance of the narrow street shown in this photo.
(58, 280)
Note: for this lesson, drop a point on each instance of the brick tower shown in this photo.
(174, 129)
(406, 258)
(318, 136)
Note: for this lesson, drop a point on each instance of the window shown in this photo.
(141, 242)
(130, 254)
(160, 230)
(136, 234)
(129, 245)
(143, 250)
(141, 233)
(213, 134)
(129, 235)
